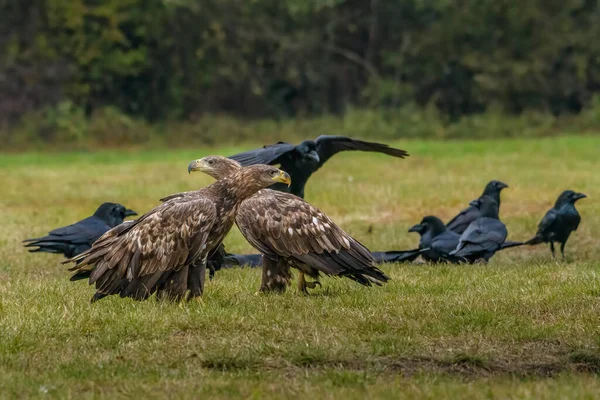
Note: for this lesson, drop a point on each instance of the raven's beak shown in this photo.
(474, 203)
(416, 228)
(501, 185)
(579, 196)
(283, 177)
(314, 156)
(195, 166)
(130, 213)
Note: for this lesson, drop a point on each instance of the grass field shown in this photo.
(523, 326)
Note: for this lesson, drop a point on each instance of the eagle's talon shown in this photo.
(312, 285)
(303, 285)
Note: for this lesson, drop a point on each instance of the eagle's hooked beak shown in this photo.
(130, 213)
(283, 177)
(195, 166)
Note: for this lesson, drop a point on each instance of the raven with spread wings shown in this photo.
(303, 160)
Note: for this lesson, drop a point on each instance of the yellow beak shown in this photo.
(194, 166)
(283, 177)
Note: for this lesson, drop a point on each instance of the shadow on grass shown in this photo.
(462, 365)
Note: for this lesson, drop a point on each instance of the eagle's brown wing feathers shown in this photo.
(283, 225)
(137, 258)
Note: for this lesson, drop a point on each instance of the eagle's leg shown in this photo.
(276, 275)
(552, 249)
(303, 284)
(196, 279)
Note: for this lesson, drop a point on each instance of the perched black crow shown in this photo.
(484, 236)
(559, 222)
(302, 160)
(435, 245)
(459, 223)
(74, 239)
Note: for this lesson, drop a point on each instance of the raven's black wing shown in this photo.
(445, 242)
(271, 154)
(544, 228)
(328, 145)
(87, 229)
(547, 222)
(461, 222)
(243, 260)
(483, 235)
(70, 238)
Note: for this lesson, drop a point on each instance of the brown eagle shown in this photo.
(165, 250)
(289, 232)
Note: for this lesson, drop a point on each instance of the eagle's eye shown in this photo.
(211, 162)
(274, 172)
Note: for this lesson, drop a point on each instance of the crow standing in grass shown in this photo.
(290, 233)
(559, 222)
(75, 239)
(435, 244)
(484, 236)
(303, 160)
(459, 223)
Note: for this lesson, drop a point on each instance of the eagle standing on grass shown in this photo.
(289, 232)
(303, 160)
(165, 250)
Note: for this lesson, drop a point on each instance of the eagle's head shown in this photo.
(216, 166)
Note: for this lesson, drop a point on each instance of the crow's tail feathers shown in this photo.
(382, 257)
(508, 244)
(537, 239)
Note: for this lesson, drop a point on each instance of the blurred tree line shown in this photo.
(177, 59)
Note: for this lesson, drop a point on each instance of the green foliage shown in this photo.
(66, 126)
(181, 59)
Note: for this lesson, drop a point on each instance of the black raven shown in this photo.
(74, 239)
(302, 160)
(221, 259)
(459, 223)
(243, 260)
(559, 222)
(435, 244)
(484, 236)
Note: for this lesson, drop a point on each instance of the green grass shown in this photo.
(523, 326)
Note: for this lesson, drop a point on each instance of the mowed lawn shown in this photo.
(523, 326)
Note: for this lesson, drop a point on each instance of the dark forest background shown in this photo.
(130, 66)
